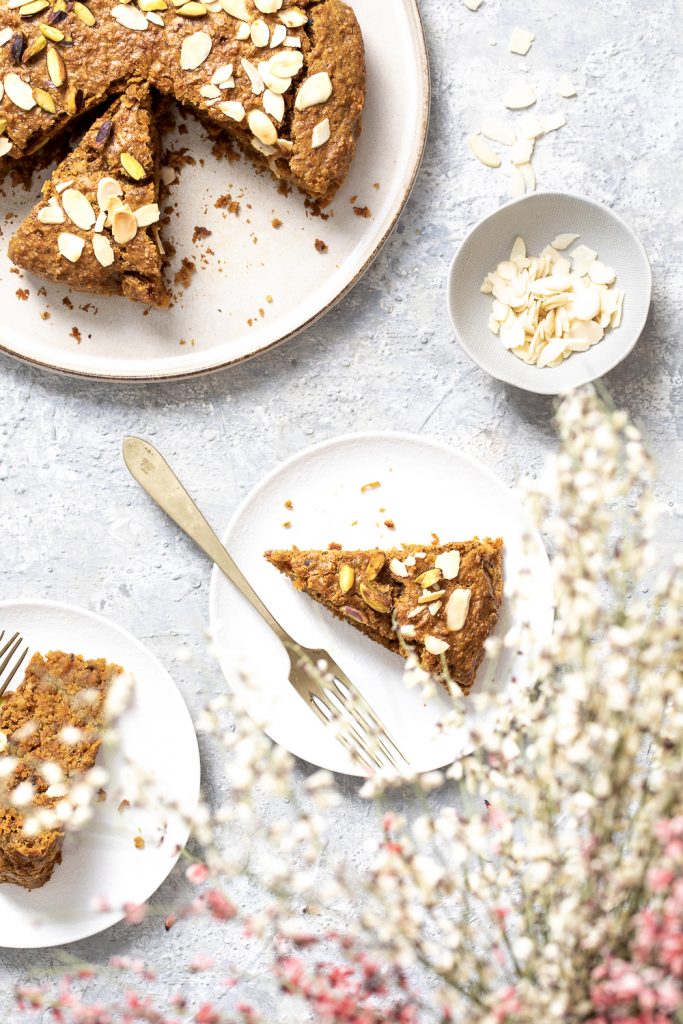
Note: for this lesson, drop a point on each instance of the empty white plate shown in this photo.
(102, 862)
(538, 219)
(425, 487)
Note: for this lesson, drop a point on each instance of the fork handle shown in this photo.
(156, 477)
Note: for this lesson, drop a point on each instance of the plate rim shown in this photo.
(415, 16)
(353, 436)
(112, 918)
(586, 378)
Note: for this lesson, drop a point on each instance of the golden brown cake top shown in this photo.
(287, 80)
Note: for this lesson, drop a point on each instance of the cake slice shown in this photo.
(54, 716)
(95, 228)
(441, 602)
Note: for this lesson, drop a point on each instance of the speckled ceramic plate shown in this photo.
(255, 285)
(538, 218)
(425, 487)
(101, 864)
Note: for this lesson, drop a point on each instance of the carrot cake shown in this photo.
(285, 79)
(55, 715)
(440, 602)
(95, 227)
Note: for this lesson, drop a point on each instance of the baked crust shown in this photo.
(136, 270)
(103, 58)
(385, 605)
(57, 691)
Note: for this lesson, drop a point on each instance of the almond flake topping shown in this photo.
(436, 646)
(449, 563)
(398, 568)
(19, 92)
(243, 31)
(262, 127)
(316, 89)
(253, 74)
(5, 36)
(274, 105)
(70, 246)
(102, 247)
(273, 82)
(130, 17)
(286, 64)
(194, 50)
(293, 41)
(106, 188)
(147, 214)
(268, 6)
(232, 109)
(457, 608)
(222, 75)
(237, 8)
(210, 92)
(124, 226)
(78, 209)
(321, 134)
(293, 17)
(485, 153)
(52, 213)
(260, 33)
(5, 145)
(278, 36)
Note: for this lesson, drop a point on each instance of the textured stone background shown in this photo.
(76, 528)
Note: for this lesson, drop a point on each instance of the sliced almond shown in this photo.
(260, 33)
(237, 9)
(19, 92)
(243, 31)
(599, 273)
(274, 105)
(102, 247)
(222, 75)
(551, 122)
(562, 242)
(519, 96)
(124, 226)
(314, 90)
(70, 246)
(293, 17)
(398, 568)
(254, 76)
(436, 646)
(194, 50)
(520, 41)
(457, 607)
(530, 126)
(517, 185)
(427, 596)
(483, 151)
(262, 127)
(566, 87)
(320, 134)
(498, 131)
(232, 109)
(473, 5)
(106, 188)
(130, 17)
(268, 6)
(52, 213)
(278, 36)
(78, 209)
(449, 563)
(522, 151)
(346, 578)
(277, 85)
(147, 214)
(287, 64)
(528, 177)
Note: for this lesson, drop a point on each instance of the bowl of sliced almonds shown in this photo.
(549, 292)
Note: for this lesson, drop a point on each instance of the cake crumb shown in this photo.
(22, 294)
(123, 806)
(139, 843)
(276, 223)
(362, 211)
(226, 202)
(287, 525)
(200, 233)
(289, 504)
(45, 315)
(390, 524)
(370, 487)
(334, 545)
(185, 274)
(320, 245)
(76, 334)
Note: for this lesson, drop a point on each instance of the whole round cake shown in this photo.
(285, 80)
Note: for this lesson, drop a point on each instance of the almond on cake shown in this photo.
(440, 601)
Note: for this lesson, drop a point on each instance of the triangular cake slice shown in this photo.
(441, 602)
(95, 228)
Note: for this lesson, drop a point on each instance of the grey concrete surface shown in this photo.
(75, 527)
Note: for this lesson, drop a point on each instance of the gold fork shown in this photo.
(313, 673)
(8, 653)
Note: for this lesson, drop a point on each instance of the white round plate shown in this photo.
(426, 488)
(101, 862)
(538, 218)
(261, 286)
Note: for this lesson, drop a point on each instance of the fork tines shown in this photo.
(11, 662)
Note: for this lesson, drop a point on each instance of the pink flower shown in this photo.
(135, 912)
(220, 906)
(197, 874)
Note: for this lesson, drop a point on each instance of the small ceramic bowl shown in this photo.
(538, 219)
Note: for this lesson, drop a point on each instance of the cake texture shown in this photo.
(95, 227)
(285, 80)
(439, 602)
(60, 693)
